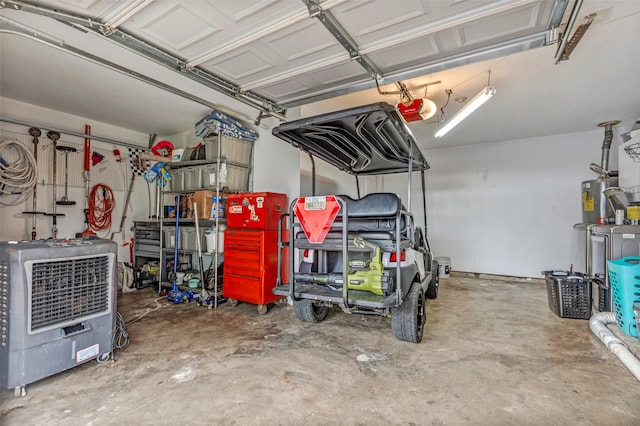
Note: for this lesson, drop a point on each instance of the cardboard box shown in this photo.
(205, 202)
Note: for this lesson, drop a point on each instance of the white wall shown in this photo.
(17, 226)
(276, 164)
(507, 208)
(331, 181)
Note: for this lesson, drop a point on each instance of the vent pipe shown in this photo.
(606, 143)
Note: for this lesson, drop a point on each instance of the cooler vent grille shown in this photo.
(66, 290)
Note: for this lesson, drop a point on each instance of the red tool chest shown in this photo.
(251, 248)
(255, 210)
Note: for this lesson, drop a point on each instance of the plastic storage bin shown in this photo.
(234, 177)
(170, 236)
(636, 309)
(237, 177)
(192, 178)
(235, 150)
(189, 239)
(569, 294)
(177, 181)
(624, 276)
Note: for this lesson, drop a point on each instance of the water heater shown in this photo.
(595, 206)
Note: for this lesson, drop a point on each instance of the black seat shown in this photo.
(372, 217)
(374, 213)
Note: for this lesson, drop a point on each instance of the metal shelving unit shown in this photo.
(219, 166)
(146, 243)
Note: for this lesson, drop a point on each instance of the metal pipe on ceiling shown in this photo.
(33, 34)
(111, 65)
(71, 132)
(438, 64)
(156, 55)
(343, 37)
(565, 36)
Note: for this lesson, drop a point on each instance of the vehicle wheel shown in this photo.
(408, 319)
(434, 285)
(310, 311)
(262, 309)
(232, 302)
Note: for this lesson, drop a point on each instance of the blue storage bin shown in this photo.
(624, 276)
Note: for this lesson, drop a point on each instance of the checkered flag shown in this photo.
(138, 165)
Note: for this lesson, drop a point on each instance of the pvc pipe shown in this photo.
(598, 324)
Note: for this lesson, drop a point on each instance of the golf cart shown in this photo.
(371, 243)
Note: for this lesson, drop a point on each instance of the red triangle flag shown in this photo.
(316, 215)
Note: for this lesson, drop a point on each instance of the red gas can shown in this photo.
(255, 210)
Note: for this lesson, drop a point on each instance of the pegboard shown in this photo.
(108, 171)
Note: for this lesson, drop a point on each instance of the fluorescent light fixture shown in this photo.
(466, 110)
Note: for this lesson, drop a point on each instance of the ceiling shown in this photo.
(158, 66)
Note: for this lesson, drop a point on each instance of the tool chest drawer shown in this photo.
(243, 240)
(250, 265)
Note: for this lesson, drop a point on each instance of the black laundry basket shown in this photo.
(569, 294)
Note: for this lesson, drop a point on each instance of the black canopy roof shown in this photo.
(365, 140)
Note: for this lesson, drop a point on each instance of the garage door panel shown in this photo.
(219, 23)
(496, 28)
(243, 64)
(301, 40)
(315, 81)
(420, 50)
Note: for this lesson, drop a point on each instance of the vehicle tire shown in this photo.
(310, 311)
(434, 285)
(408, 319)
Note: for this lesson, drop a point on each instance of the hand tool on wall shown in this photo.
(65, 199)
(126, 205)
(35, 133)
(86, 175)
(54, 136)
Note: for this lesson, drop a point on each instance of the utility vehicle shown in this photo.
(365, 255)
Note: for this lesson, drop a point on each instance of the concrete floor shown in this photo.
(493, 353)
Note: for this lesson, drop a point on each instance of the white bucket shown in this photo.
(444, 267)
(210, 236)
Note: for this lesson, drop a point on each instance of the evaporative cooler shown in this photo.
(57, 307)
